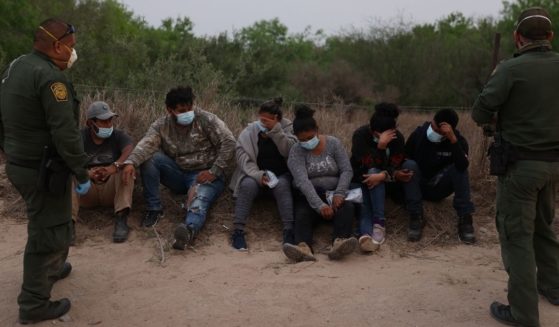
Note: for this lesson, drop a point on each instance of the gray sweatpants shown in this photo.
(249, 190)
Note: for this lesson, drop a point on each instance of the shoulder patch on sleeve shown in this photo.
(59, 91)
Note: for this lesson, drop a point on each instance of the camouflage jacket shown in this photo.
(207, 143)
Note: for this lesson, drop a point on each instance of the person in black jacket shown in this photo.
(438, 156)
(377, 154)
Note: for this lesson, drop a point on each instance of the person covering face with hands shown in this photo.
(438, 156)
(377, 154)
(261, 152)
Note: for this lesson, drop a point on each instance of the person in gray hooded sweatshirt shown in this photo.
(261, 152)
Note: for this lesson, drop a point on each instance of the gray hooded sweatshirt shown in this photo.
(246, 150)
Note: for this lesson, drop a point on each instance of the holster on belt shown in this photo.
(53, 173)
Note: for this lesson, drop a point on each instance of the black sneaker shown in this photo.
(288, 236)
(183, 236)
(152, 218)
(552, 297)
(502, 314)
(466, 232)
(238, 240)
(121, 231)
(55, 309)
(415, 228)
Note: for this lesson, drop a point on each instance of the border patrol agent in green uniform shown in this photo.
(522, 98)
(39, 116)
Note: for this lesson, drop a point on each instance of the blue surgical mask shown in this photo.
(104, 133)
(434, 136)
(185, 118)
(261, 126)
(310, 144)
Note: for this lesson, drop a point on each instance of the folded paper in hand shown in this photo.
(354, 195)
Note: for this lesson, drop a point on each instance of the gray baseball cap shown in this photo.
(99, 110)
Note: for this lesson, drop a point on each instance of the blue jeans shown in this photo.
(443, 184)
(162, 169)
(372, 208)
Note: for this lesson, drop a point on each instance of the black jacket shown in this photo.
(433, 157)
(366, 155)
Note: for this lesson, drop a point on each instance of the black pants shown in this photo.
(306, 218)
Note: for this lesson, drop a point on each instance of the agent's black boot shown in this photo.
(55, 309)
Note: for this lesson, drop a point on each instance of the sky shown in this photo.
(211, 17)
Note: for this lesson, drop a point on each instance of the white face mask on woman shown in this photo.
(310, 144)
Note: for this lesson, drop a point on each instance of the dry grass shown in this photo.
(137, 111)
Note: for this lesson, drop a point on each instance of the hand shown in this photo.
(403, 175)
(448, 132)
(326, 212)
(105, 172)
(95, 175)
(205, 177)
(128, 174)
(372, 180)
(265, 179)
(337, 202)
(83, 188)
(268, 123)
(386, 137)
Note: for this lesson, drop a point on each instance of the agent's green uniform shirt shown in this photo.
(525, 92)
(38, 108)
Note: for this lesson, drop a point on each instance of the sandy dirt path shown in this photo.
(125, 285)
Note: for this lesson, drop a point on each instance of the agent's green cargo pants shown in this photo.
(49, 232)
(529, 247)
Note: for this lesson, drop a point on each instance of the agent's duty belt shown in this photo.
(33, 164)
(550, 155)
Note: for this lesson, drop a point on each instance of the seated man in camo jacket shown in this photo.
(187, 151)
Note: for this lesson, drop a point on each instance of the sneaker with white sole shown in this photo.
(366, 244)
(379, 233)
(342, 247)
(299, 252)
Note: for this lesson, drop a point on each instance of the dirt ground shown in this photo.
(436, 282)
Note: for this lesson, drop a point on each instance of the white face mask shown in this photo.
(73, 58)
(104, 133)
(185, 118)
(434, 136)
(261, 126)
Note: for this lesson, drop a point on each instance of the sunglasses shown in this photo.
(70, 30)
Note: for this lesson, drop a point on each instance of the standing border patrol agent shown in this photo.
(39, 116)
(521, 97)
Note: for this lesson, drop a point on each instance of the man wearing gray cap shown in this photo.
(521, 98)
(106, 148)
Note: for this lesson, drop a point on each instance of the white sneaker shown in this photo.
(378, 234)
(366, 244)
